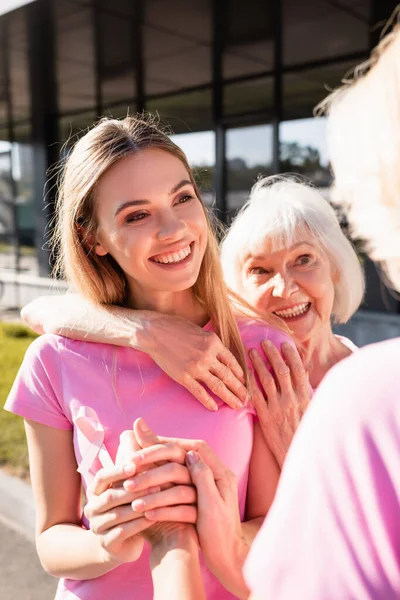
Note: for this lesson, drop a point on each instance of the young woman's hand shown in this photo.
(110, 515)
(287, 395)
(192, 357)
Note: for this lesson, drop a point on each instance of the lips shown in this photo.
(172, 257)
(293, 311)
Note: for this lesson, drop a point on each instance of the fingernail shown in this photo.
(138, 504)
(286, 346)
(252, 352)
(142, 426)
(130, 485)
(213, 406)
(192, 457)
(237, 404)
(150, 514)
(129, 469)
(268, 343)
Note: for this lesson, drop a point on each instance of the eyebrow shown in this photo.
(250, 256)
(129, 203)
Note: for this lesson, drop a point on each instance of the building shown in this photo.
(237, 80)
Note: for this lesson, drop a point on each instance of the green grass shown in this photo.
(14, 340)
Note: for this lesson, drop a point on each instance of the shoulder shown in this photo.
(362, 389)
(348, 343)
(253, 332)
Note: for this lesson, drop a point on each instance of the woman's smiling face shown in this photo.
(296, 284)
(152, 223)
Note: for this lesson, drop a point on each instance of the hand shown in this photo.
(159, 484)
(192, 356)
(111, 518)
(287, 395)
(217, 505)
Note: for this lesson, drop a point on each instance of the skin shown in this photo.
(275, 281)
(163, 221)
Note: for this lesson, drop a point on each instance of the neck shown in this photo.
(181, 304)
(322, 352)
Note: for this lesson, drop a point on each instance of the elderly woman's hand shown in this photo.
(193, 356)
(286, 395)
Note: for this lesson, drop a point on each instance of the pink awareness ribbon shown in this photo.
(89, 425)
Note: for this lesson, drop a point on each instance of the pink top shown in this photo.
(99, 390)
(333, 532)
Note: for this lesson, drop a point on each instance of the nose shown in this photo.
(170, 226)
(283, 286)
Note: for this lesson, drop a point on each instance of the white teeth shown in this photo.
(293, 312)
(173, 257)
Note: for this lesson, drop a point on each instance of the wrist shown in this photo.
(142, 338)
(183, 540)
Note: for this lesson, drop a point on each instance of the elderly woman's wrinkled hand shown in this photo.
(287, 394)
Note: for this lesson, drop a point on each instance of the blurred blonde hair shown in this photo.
(283, 210)
(364, 144)
(99, 278)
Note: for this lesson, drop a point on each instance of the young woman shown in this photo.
(287, 256)
(132, 231)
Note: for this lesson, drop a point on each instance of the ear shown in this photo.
(335, 275)
(90, 242)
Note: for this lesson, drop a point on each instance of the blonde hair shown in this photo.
(284, 210)
(364, 144)
(99, 278)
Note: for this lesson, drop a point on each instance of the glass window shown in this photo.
(303, 90)
(71, 128)
(200, 151)
(177, 45)
(253, 97)
(184, 112)
(18, 64)
(117, 30)
(75, 52)
(249, 152)
(316, 29)
(303, 149)
(248, 38)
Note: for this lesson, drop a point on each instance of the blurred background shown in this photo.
(237, 81)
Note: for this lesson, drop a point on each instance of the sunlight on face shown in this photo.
(296, 284)
(152, 223)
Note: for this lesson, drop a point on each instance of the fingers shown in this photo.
(179, 514)
(266, 379)
(127, 447)
(101, 523)
(218, 387)
(233, 385)
(280, 368)
(228, 359)
(293, 360)
(179, 494)
(203, 478)
(170, 451)
(200, 393)
(143, 435)
(169, 473)
(106, 477)
(123, 531)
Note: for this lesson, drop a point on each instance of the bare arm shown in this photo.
(175, 567)
(189, 354)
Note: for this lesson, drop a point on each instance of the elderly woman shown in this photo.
(333, 531)
(286, 255)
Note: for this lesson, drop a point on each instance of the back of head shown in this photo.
(364, 144)
(282, 211)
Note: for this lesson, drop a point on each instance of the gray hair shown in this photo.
(285, 211)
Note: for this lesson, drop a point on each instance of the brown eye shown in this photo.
(258, 271)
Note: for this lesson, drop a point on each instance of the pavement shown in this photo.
(21, 574)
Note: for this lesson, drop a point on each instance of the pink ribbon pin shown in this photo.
(89, 425)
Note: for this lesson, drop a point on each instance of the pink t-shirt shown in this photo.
(62, 380)
(333, 532)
